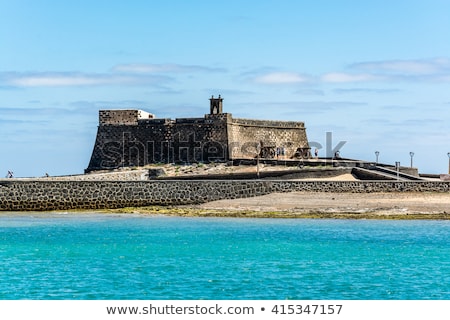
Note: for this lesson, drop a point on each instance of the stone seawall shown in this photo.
(38, 195)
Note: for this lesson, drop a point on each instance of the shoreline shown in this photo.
(319, 205)
(198, 213)
(304, 205)
(225, 213)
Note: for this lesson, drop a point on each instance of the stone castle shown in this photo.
(129, 138)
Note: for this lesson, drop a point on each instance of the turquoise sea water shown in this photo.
(112, 256)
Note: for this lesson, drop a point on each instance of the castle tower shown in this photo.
(216, 105)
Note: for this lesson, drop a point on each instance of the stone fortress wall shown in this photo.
(39, 195)
(132, 138)
(285, 139)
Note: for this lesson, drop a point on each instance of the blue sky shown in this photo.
(374, 73)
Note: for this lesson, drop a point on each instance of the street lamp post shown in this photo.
(377, 153)
(411, 154)
(448, 154)
(397, 166)
(258, 150)
(168, 151)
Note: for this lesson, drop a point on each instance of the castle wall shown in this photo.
(132, 143)
(200, 139)
(280, 139)
(41, 195)
(131, 138)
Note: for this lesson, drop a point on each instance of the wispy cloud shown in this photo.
(23, 112)
(342, 77)
(310, 92)
(124, 74)
(163, 68)
(296, 109)
(426, 70)
(59, 79)
(364, 90)
(227, 92)
(406, 67)
(95, 105)
(281, 78)
(68, 79)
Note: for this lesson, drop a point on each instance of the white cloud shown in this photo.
(431, 70)
(426, 70)
(408, 67)
(442, 78)
(162, 68)
(281, 78)
(54, 80)
(67, 79)
(342, 77)
(124, 74)
(365, 90)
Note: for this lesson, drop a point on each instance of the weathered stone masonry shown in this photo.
(34, 195)
(131, 138)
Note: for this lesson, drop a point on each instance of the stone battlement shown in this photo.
(268, 123)
(122, 117)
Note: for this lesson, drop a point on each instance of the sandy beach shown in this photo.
(393, 205)
(316, 205)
